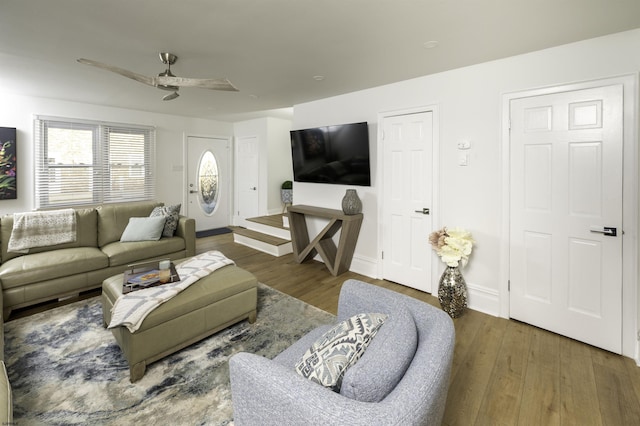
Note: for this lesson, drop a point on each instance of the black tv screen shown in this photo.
(332, 154)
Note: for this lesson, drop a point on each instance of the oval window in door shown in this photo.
(208, 183)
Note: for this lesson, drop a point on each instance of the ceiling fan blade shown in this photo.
(204, 83)
(166, 82)
(151, 81)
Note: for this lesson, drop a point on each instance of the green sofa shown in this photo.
(65, 270)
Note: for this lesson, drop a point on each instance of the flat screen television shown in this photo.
(332, 154)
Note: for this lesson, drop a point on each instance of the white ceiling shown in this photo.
(272, 49)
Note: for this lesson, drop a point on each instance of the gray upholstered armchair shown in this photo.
(402, 378)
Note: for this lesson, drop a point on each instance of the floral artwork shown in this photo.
(8, 162)
(452, 245)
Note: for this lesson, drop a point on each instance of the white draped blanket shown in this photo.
(40, 229)
(131, 309)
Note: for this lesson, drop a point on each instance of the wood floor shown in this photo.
(504, 372)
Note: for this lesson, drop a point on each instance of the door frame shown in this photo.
(434, 109)
(185, 168)
(630, 184)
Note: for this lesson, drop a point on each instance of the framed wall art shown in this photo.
(8, 164)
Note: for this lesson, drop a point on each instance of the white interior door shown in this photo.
(565, 203)
(407, 182)
(247, 173)
(208, 180)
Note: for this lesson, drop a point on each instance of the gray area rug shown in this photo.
(65, 368)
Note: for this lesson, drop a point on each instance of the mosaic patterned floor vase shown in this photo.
(65, 368)
(452, 292)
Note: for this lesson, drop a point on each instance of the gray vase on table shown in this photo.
(351, 203)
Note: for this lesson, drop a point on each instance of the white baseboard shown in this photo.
(364, 266)
(482, 299)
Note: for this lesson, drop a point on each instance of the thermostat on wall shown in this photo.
(464, 144)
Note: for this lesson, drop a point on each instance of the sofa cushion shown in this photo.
(32, 268)
(131, 252)
(326, 361)
(171, 215)
(143, 229)
(86, 234)
(114, 218)
(386, 359)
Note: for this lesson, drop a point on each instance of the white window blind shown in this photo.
(82, 162)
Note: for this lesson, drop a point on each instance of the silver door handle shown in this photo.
(193, 192)
(606, 230)
(253, 188)
(423, 211)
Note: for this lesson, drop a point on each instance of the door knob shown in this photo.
(423, 211)
(606, 230)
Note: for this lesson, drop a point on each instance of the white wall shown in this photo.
(279, 160)
(18, 111)
(469, 102)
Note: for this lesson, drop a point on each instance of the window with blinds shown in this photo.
(82, 162)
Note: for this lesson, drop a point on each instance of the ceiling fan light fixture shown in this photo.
(170, 96)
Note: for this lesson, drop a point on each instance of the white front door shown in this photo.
(208, 178)
(407, 185)
(247, 174)
(566, 214)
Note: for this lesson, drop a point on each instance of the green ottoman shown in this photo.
(212, 303)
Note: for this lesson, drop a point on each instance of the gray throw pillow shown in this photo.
(143, 229)
(386, 360)
(327, 360)
(171, 214)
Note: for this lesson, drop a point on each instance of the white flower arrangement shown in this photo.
(452, 245)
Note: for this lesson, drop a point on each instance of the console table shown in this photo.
(337, 259)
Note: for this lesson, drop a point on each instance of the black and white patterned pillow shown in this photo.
(171, 214)
(326, 361)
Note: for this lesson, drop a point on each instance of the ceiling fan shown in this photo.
(166, 80)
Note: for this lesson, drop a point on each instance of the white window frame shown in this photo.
(102, 184)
